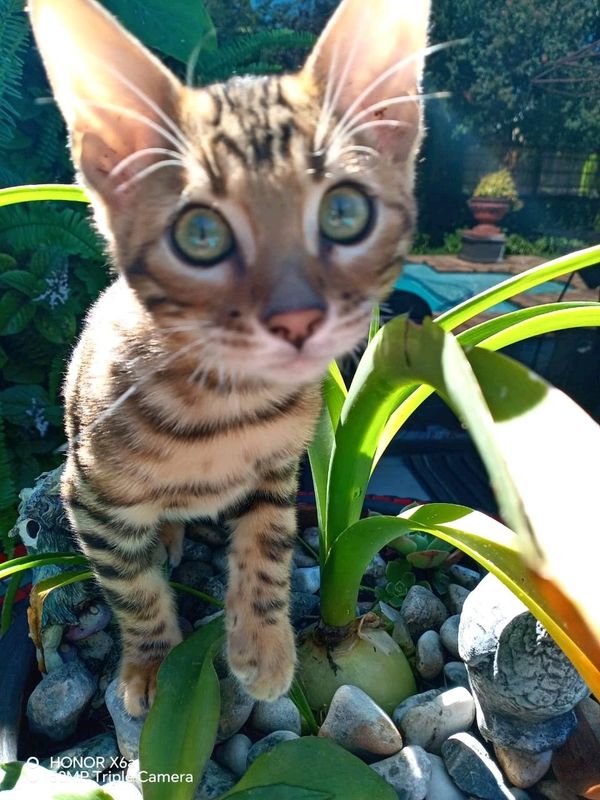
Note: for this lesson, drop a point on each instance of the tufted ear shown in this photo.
(114, 94)
(368, 54)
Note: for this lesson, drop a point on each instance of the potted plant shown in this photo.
(494, 196)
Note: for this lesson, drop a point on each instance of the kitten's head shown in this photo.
(263, 218)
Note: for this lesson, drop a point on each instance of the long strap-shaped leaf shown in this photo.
(538, 447)
(37, 192)
(494, 334)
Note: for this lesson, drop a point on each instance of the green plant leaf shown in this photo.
(298, 697)
(50, 191)
(317, 764)
(281, 791)
(20, 280)
(522, 282)
(55, 326)
(319, 455)
(178, 738)
(22, 563)
(175, 28)
(494, 334)
(9, 602)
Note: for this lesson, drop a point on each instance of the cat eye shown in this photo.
(345, 215)
(201, 236)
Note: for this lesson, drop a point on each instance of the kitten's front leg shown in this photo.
(260, 640)
(124, 558)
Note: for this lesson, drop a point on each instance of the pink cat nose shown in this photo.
(295, 326)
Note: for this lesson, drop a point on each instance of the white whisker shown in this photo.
(353, 148)
(383, 104)
(193, 59)
(146, 99)
(125, 162)
(129, 112)
(327, 107)
(423, 53)
(149, 171)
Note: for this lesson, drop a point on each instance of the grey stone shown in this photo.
(236, 707)
(304, 608)
(455, 674)
(412, 702)
(197, 551)
(101, 749)
(306, 579)
(302, 558)
(219, 560)
(422, 611)
(472, 769)
(128, 729)
(392, 614)
(312, 538)
(553, 790)
(431, 723)
(216, 781)
(375, 571)
(196, 575)
(58, 701)
(359, 725)
(525, 688)
(456, 597)
(464, 576)
(95, 650)
(268, 743)
(408, 772)
(233, 754)
(280, 715)
(449, 634)
(521, 768)
(441, 785)
(401, 635)
(430, 656)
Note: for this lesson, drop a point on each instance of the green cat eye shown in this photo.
(345, 214)
(201, 236)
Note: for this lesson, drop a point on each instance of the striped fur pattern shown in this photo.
(181, 401)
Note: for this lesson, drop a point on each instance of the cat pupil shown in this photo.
(202, 236)
(345, 215)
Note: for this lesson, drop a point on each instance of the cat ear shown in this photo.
(115, 96)
(368, 54)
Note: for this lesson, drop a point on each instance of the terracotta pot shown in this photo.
(489, 210)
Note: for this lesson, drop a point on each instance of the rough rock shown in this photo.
(408, 772)
(302, 558)
(552, 790)
(422, 611)
(303, 606)
(306, 579)
(449, 634)
(359, 725)
(441, 785)
(197, 551)
(456, 598)
(102, 750)
(401, 635)
(521, 768)
(280, 715)
(576, 764)
(524, 686)
(268, 743)
(219, 560)
(236, 707)
(375, 571)
(312, 539)
(215, 782)
(430, 656)
(412, 702)
(233, 754)
(455, 674)
(472, 769)
(58, 701)
(127, 728)
(464, 576)
(431, 723)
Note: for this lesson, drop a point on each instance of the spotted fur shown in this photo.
(182, 400)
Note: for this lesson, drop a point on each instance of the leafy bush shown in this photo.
(498, 184)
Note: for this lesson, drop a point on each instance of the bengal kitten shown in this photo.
(254, 225)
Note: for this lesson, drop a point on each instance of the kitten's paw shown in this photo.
(262, 657)
(138, 686)
(172, 536)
